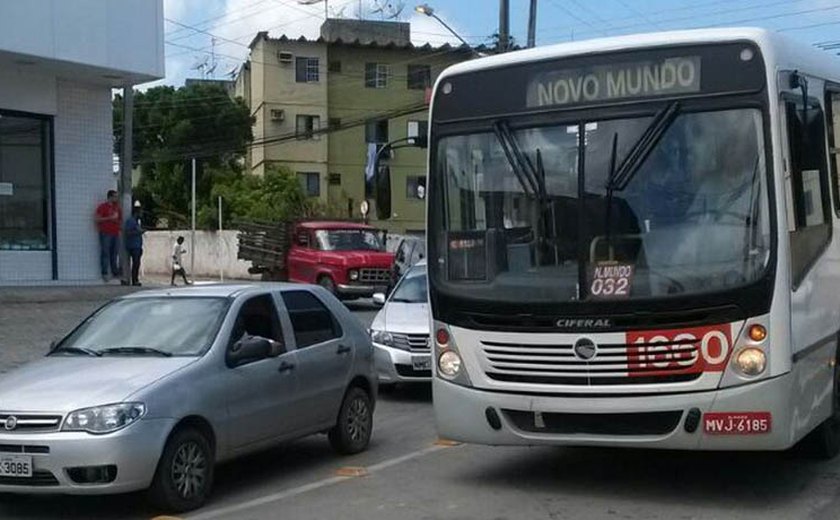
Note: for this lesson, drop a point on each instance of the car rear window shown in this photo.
(312, 322)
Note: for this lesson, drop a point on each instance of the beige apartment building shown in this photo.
(322, 107)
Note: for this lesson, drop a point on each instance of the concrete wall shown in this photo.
(124, 35)
(213, 253)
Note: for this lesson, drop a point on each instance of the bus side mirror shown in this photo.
(382, 192)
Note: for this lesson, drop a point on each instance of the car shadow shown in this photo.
(731, 480)
(108, 507)
(407, 393)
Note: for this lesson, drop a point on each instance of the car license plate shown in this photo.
(15, 466)
(737, 423)
(421, 362)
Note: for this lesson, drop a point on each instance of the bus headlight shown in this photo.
(751, 361)
(449, 363)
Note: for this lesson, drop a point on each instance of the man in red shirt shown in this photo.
(108, 220)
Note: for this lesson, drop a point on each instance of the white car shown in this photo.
(400, 331)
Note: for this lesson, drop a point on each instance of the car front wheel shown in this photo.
(352, 431)
(184, 475)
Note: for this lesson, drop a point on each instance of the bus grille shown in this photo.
(616, 364)
(382, 276)
(412, 342)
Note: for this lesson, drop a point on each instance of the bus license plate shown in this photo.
(737, 423)
(15, 466)
(421, 362)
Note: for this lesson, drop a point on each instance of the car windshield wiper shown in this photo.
(137, 350)
(77, 350)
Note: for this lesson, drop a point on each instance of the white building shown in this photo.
(59, 61)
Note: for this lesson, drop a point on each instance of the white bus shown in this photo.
(632, 243)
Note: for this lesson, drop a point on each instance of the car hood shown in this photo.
(63, 384)
(408, 318)
(379, 259)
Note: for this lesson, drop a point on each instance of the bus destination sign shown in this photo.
(601, 83)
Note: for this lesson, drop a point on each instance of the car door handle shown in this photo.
(286, 367)
(343, 349)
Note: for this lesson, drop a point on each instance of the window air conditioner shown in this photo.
(278, 114)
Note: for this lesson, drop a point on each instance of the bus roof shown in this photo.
(779, 51)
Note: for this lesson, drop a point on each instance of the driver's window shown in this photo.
(401, 251)
(258, 317)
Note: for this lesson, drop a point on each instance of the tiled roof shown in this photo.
(263, 35)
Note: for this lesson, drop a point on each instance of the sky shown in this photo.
(192, 26)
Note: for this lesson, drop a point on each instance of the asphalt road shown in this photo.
(406, 475)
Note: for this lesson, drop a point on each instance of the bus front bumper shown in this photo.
(496, 418)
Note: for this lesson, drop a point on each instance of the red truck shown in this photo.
(346, 258)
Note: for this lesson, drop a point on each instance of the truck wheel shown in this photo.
(352, 431)
(184, 474)
(327, 283)
(824, 441)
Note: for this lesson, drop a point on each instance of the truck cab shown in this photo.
(348, 259)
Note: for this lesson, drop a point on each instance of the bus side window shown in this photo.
(809, 186)
(832, 103)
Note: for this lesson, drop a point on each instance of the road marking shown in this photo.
(351, 471)
(306, 488)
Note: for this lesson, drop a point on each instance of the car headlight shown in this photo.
(386, 338)
(353, 274)
(104, 419)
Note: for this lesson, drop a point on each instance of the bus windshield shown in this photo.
(540, 215)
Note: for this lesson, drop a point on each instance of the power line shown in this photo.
(743, 20)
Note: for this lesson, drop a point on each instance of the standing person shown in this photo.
(178, 251)
(108, 218)
(133, 230)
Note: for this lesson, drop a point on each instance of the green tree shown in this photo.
(170, 127)
(276, 196)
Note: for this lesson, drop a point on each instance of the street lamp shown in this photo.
(429, 11)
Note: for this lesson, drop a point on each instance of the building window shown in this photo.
(376, 131)
(311, 182)
(306, 70)
(376, 75)
(419, 77)
(334, 66)
(417, 129)
(335, 179)
(415, 187)
(24, 185)
(307, 126)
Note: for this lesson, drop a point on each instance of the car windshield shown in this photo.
(412, 288)
(347, 240)
(692, 216)
(181, 326)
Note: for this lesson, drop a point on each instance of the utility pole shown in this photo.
(504, 25)
(126, 162)
(532, 25)
(192, 234)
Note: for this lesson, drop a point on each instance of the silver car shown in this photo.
(155, 388)
(400, 331)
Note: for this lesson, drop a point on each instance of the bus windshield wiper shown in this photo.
(619, 178)
(78, 350)
(137, 350)
(532, 179)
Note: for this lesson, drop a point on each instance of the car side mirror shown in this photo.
(247, 350)
(379, 298)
